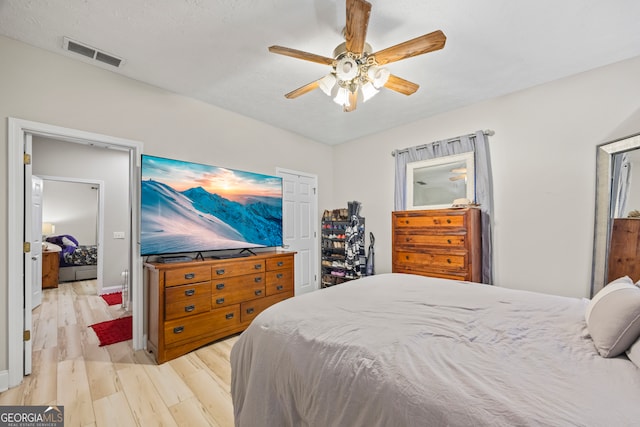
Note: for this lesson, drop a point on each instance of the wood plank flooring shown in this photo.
(113, 385)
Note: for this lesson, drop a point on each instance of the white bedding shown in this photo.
(404, 350)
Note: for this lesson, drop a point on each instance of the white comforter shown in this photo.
(404, 350)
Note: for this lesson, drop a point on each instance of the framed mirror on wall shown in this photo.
(615, 196)
(436, 183)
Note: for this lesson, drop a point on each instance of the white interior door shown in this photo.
(300, 226)
(36, 241)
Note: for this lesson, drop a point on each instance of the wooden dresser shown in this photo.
(50, 269)
(440, 243)
(624, 249)
(194, 303)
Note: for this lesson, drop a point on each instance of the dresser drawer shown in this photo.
(453, 261)
(237, 268)
(441, 221)
(187, 307)
(202, 324)
(279, 281)
(280, 263)
(431, 272)
(250, 309)
(408, 240)
(186, 292)
(234, 290)
(181, 276)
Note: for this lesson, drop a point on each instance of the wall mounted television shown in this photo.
(190, 207)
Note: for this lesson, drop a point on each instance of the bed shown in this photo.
(405, 350)
(77, 262)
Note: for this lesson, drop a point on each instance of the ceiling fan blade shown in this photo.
(353, 102)
(403, 86)
(357, 22)
(414, 47)
(294, 53)
(302, 90)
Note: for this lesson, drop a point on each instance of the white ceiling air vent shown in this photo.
(91, 52)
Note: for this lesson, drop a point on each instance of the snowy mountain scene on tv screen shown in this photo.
(191, 207)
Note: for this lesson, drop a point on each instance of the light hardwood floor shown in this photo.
(112, 385)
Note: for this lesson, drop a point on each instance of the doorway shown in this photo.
(75, 207)
(20, 133)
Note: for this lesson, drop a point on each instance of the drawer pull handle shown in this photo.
(406, 221)
(449, 260)
(448, 221)
(279, 276)
(257, 279)
(280, 263)
(220, 286)
(178, 330)
(258, 292)
(408, 239)
(279, 287)
(229, 316)
(190, 292)
(220, 301)
(406, 257)
(250, 310)
(189, 275)
(220, 271)
(449, 241)
(190, 308)
(257, 266)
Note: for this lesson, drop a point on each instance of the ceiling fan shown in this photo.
(355, 67)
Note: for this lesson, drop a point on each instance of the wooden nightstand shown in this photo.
(50, 267)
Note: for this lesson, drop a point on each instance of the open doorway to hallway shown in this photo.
(20, 151)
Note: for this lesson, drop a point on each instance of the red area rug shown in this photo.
(113, 331)
(113, 299)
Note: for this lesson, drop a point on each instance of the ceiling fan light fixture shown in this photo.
(342, 97)
(327, 83)
(368, 91)
(378, 76)
(347, 69)
(356, 67)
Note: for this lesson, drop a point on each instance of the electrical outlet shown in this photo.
(118, 234)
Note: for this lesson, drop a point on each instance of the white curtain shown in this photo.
(477, 143)
(621, 177)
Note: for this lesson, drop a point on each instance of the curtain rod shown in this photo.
(487, 132)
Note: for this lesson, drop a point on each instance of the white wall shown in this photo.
(44, 87)
(543, 158)
(72, 207)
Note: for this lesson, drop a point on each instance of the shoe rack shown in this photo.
(343, 250)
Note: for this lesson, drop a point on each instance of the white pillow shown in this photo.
(613, 317)
(51, 247)
(633, 353)
(68, 242)
(610, 287)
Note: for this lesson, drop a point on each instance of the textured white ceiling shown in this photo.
(216, 50)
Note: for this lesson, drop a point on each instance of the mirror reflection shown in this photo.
(436, 183)
(624, 238)
(611, 208)
(625, 201)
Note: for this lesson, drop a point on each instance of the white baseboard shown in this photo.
(4, 381)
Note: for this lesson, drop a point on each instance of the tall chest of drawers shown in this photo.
(439, 243)
(194, 303)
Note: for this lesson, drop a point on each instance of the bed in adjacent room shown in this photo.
(406, 350)
(77, 261)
